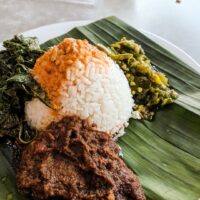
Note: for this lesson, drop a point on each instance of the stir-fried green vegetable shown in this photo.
(17, 85)
(149, 87)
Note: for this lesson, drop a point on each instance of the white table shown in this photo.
(178, 23)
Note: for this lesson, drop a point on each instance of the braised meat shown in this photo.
(70, 161)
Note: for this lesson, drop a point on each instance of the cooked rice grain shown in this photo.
(82, 80)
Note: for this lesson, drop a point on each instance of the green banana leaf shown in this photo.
(164, 153)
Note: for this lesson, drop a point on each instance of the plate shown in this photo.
(50, 31)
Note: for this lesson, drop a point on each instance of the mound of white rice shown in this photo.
(93, 87)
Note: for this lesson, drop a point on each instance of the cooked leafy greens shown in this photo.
(149, 87)
(17, 85)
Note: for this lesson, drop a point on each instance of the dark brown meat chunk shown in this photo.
(69, 161)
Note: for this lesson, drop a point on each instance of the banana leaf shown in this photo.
(164, 153)
(8, 189)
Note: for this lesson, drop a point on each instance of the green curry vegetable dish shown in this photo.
(149, 87)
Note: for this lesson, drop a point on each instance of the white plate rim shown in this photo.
(49, 31)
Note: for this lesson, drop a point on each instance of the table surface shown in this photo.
(178, 23)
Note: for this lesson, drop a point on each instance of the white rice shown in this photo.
(39, 115)
(101, 96)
